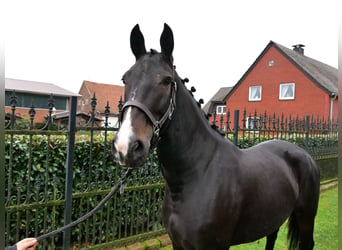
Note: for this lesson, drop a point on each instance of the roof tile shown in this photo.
(105, 92)
(36, 87)
(324, 75)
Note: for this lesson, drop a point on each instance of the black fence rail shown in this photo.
(317, 135)
(54, 175)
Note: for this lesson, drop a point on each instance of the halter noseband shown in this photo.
(157, 124)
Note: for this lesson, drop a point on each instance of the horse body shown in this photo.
(216, 194)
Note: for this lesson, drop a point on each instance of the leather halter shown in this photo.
(157, 124)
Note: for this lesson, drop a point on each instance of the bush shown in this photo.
(35, 186)
(35, 176)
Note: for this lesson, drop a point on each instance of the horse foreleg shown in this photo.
(270, 240)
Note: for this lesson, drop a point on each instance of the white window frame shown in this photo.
(281, 92)
(219, 109)
(250, 98)
(253, 123)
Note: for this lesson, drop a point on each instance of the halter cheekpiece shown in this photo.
(157, 124)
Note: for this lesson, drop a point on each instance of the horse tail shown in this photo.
(293, 232)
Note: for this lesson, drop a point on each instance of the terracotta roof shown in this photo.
(36, 87)
(219, 97)
(324, 75)
(105, 92)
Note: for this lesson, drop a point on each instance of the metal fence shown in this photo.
(55, 176)
(317, 135)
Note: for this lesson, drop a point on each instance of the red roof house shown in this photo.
(104, 93)
(285, 81)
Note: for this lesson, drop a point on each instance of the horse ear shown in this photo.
(166, 43)
(137, 42)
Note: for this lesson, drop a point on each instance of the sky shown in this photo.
(66, 42)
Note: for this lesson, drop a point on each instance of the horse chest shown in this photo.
(179, 217)
(194, 230)
(182, 228)
(193, 220)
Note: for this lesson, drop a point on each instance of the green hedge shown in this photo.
(95, 173)
(35, 194)
(317, 145)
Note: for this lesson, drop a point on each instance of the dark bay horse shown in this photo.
(216, 194)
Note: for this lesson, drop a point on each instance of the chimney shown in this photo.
(299, 48)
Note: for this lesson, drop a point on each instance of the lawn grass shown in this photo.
(325, 234)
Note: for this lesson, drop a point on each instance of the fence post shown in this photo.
(120, 105)
(69, 171)
(307, 128)
(228, 121)
(236, 127)
(214, 119)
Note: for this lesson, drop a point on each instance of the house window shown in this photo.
(221, 109)
(254, 93)
(253, 123)
(287, 91)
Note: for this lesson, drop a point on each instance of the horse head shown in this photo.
(150, 90)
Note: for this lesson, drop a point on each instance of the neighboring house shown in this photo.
(34, 93)
(104, 93)
(217, 104)
(285, 81)
(82, 119)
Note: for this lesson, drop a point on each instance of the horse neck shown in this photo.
(181, 148)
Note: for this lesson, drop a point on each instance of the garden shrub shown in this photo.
(42, 180)
(35, 177)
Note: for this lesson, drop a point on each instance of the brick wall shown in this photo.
(309, 98)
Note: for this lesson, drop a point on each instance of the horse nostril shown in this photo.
(137, 146)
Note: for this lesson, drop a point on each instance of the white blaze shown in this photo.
(124, 134)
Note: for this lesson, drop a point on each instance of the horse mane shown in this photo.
(153, 52)
(199, 103)
(191, 91)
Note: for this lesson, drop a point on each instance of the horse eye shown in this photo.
(167, 80)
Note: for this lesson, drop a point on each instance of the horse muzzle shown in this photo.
(132, 155)
(131, 147)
